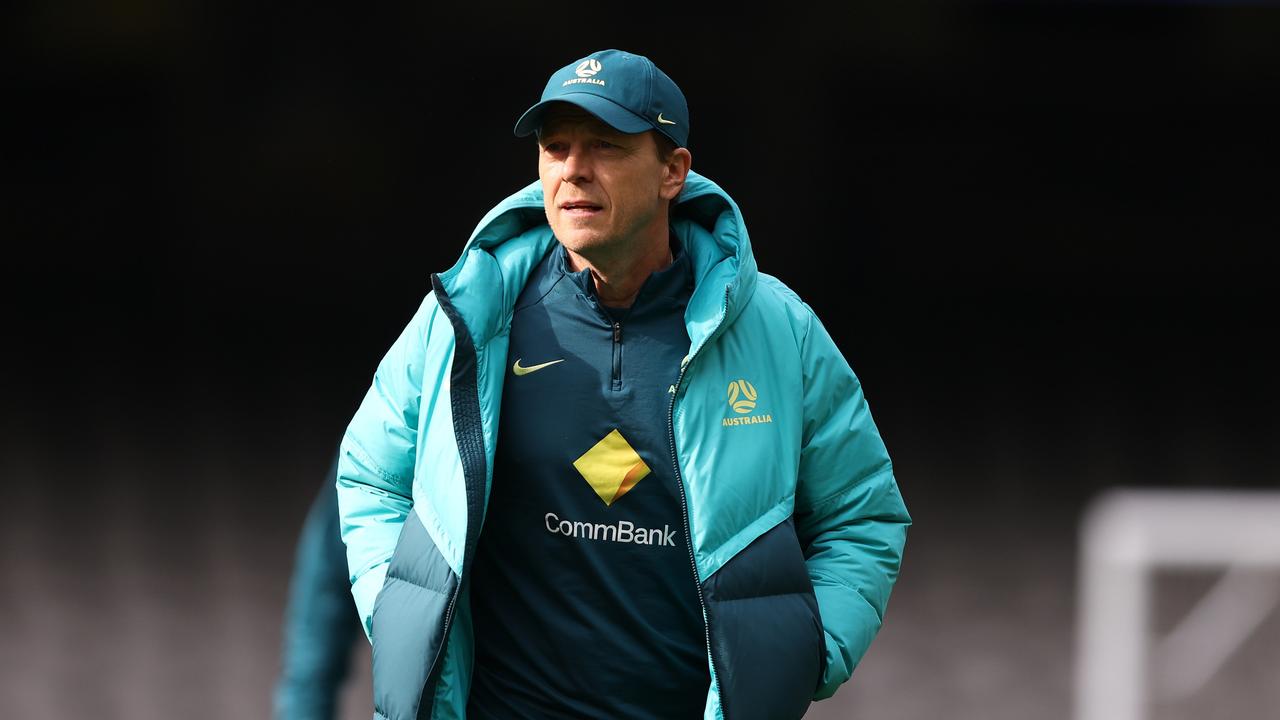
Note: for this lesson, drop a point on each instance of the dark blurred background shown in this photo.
(1044, 236)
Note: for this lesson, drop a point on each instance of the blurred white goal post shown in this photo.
(1127, 536)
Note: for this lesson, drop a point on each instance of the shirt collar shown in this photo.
(674, 280)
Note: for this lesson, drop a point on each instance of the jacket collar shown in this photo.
(514, 236)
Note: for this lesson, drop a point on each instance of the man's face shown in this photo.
(603, 190)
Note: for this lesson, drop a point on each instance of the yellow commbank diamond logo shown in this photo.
(611, 467)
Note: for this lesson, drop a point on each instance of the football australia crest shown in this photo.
(743, 397)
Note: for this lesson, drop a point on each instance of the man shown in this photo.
(687, 510)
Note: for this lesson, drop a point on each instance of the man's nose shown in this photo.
(577, 164)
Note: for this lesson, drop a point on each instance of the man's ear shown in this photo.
(675, 172)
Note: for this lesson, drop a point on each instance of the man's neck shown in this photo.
(618, 279)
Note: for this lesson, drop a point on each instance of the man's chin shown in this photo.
(580, 242)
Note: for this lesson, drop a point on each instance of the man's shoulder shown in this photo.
(775, 306)
(779, 296)
(780, 290)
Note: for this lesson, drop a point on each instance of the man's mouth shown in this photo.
(579, 207)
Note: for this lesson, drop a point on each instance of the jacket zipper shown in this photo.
(684, 507)
(617, 356)
(433, 680)
(475, 496)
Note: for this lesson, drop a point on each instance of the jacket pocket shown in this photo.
(409, 622)
(766, 636)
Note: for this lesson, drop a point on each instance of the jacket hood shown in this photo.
(514, 236)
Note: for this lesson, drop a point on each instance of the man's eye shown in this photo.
(554, 147)
(605, 145)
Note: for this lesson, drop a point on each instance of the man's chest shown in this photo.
(585, 413)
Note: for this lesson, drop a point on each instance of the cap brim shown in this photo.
(609, 112)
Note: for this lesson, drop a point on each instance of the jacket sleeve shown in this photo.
(850, 517)
(376, 462)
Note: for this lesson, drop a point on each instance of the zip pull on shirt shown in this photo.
(675, 282)
(583, 600)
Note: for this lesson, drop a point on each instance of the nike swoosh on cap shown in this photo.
(665, 121)
(515, 367)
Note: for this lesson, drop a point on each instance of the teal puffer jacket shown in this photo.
(795, 523)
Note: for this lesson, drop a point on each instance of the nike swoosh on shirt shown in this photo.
(515, 368)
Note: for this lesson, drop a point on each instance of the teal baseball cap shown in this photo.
(625, 90)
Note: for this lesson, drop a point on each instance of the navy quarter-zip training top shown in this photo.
(584, 602)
